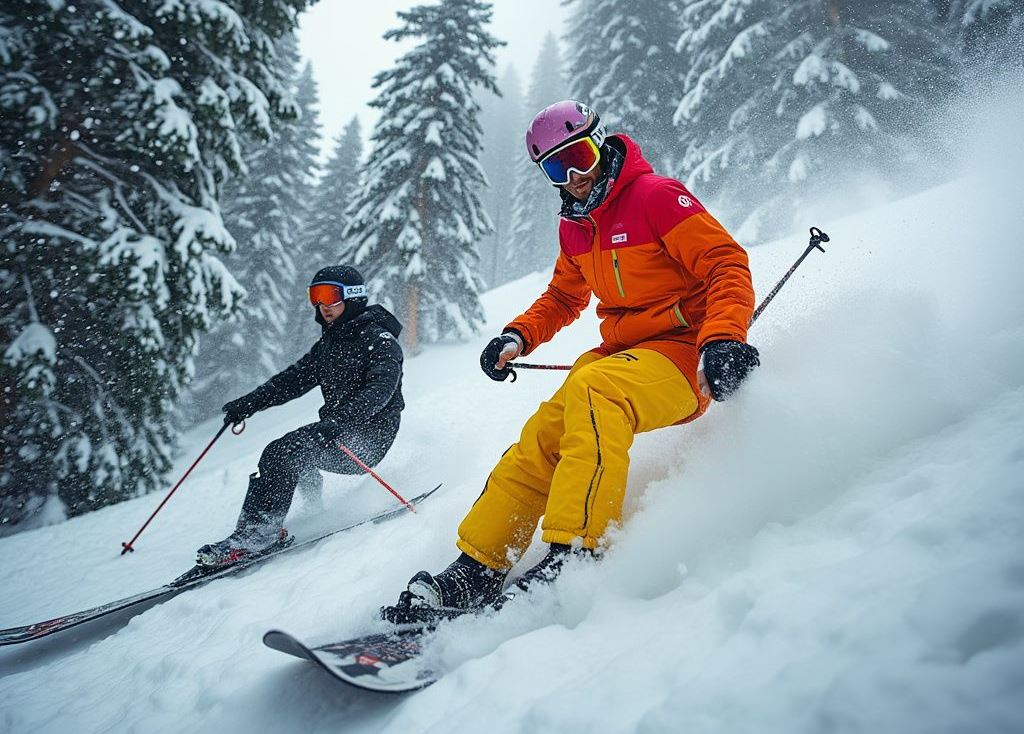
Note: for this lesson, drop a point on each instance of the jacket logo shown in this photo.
(617, 238)
(385, 335)
(685, 201)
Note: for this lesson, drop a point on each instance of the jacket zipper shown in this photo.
(598, 261)
(618, 277)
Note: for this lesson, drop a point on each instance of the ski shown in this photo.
(193, 578)
(386, 663)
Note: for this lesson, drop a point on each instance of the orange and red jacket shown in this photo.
(666, 274)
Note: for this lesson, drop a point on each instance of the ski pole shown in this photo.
(521, 365)
(376, 476)
(127, 547)
(817, 237)
(513, 366)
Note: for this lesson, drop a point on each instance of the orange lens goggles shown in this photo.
(326, 294)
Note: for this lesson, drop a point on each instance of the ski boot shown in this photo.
(466, 586)
(543, 573)
(243, 543)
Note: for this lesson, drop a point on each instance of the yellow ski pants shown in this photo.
(572, 458)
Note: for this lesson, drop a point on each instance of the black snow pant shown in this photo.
(299, 455)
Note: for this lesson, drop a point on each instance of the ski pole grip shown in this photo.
(817, 237)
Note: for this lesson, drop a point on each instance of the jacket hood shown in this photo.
(635, 164)
(628, 164)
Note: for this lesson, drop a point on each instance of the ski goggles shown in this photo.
(331, 293)
(580, 155)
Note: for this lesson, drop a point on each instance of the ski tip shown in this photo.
(286, 643)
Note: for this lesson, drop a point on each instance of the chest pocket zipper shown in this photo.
(618, 276)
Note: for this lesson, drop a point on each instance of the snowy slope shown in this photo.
(837, 549)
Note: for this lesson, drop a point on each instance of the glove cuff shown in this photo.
(518, 339)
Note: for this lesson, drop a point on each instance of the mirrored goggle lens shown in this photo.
(325, 294)
(580, 156)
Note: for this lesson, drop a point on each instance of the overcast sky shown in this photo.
(343, 40)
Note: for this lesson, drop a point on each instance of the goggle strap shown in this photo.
(348, 291)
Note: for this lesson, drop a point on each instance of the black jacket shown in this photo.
(358, 365)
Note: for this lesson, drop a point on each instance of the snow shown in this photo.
(887, 91)
(798, 168)
(813, 122)
(811, 69)
(435, 170)
(815, 69)
(836, 549)
(34, 339)
(433, 135)
(872, 41)
(174, 122)
(865, 120)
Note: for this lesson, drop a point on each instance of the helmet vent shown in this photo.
(568, 126)
(536, 150)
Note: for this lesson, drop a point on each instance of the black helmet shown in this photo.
(348, 278)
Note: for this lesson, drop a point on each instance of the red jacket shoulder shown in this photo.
(667, 202)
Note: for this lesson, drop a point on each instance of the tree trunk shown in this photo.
(412, 293)
(832, 8)
(412, 306)
(59, 156)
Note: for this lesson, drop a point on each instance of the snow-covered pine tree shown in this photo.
(502, 119)
(301, 331)
(532, 244)
(989, 31)
(323, 235)
(321, 239)
(120, 124)
(623, 62)
(416, 219)
(264, 210)
(786, 100)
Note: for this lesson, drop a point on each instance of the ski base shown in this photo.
(384, 663)
(194, 577)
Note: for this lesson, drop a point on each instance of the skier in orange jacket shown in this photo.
(673, 290)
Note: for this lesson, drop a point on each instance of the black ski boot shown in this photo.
(245, 542)
(465, 586)
(543, 573)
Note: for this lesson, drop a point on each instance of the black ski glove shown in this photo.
(726, 364)
(489, 357)
(238, 410)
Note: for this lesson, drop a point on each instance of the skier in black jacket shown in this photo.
(357, 362)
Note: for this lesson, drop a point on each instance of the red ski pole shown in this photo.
(513, 366)
(375, 475)
(524, 366)
(127, 547)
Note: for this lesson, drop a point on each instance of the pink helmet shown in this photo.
(561, 123)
